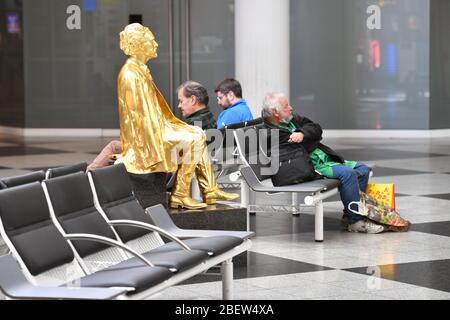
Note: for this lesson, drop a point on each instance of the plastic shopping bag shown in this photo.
(385, 193)
(376, 211)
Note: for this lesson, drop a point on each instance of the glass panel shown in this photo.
(345, 76)
(12, 104)
(72, 74)
(154, 15)
(212, 44)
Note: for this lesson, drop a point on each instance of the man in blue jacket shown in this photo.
(229, 97)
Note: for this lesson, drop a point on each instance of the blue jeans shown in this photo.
(352, 180)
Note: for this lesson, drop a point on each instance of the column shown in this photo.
(262, 49)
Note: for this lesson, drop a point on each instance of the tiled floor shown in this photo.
(284, 261)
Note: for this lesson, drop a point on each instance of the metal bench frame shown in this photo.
(17, 282)
(311, 193)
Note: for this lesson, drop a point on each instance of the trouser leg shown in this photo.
(363, 173)
(195, 157)
(208, 183)
(182, 185)
(205, 174)
(349, 189)
(188, 153)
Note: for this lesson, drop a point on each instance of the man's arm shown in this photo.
(311, 130)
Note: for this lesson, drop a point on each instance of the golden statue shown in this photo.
(152, 138)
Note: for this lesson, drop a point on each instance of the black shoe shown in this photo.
(345, 221)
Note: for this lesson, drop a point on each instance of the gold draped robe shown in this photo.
(149, 131)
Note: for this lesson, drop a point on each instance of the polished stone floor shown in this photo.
(284, 261)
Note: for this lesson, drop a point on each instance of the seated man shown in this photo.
(152, 138)
(296, 130)
(193, 101)
(229, 97)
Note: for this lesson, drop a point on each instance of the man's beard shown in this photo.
(226, 104)
(287, 118)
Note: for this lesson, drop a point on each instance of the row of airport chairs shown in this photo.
(74, 235)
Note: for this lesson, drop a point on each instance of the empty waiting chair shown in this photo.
(72, 207)
(29, 236)
(47, 259)
(14, 285)
(115, 199)
(65, 170)
(9, 182)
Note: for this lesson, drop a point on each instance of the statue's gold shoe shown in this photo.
(185, 202)
(211, 197)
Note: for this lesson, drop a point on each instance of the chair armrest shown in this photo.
(108, 241)
(15, 286)
(139, 224)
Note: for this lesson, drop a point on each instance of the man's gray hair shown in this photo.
(271, 101)
(192, 88)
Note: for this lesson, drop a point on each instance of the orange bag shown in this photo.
(385, 193)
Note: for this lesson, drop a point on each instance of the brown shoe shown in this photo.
(185, 202)
(211, 197)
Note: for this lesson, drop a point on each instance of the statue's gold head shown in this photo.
(137, 40)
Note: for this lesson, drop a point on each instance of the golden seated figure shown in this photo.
(152, 138)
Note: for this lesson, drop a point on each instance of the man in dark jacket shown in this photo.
(193, 101)
(295, 131)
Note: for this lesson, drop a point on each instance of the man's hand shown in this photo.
(296, 137)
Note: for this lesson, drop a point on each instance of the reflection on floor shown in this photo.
(285, 262)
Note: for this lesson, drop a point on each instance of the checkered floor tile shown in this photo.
(285, 262)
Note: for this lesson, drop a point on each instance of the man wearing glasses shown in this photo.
(229, 97)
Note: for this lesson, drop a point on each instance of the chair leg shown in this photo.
(252, 200)
(245, 200)
(295, 204)
(227, 280)
(318, 221)
(245, 193)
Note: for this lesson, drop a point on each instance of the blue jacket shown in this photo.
(237, 112)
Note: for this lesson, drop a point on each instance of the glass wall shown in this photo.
(212, 44)
(347, 76)
(12, 103)
(343, 74)
(440, 65)
(71, 74)
(155, 16)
